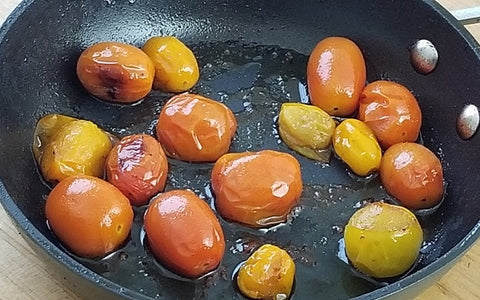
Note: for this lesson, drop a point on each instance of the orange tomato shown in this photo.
(257, 189)
(138, 167)
(89, 216)
(391, 111)
(116, 72)
(336, 74)
(184, 234)
(411, 173)
(194, 128)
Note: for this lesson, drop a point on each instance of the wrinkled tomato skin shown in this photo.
(138, 167)
(391, 111)
(184, 234)
(195, 128)
(89, 216)
(257, 189)
(412, 174)
(336, 75)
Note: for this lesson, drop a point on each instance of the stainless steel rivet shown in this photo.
(468, 121)
(423, 56)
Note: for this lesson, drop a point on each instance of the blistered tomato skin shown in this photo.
(138, 167)
(336, 75)
(176, 68)
(391, 111)
(267, 274)
(184, 234)
(89, 216)
(357, 146)
(65, 146)
(257, 189)
(116, 72)
(306, 129)
(195, 128)
(412, 174)
(383, 240)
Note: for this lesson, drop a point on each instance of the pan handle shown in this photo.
(467, 16)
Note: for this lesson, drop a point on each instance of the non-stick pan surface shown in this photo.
(252, 56)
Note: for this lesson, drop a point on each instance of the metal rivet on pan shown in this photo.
(423, 56)
(468, 121)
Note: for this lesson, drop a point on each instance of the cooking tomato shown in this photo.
(391, 111)
(184, 234)
(336, 75)
(194, 128)
(257, 189)
(116, 72)
(357, 146)
(65, 146)
(411, 173)
(138, 167)
(267, 274)
(383, 240)
(176, 68)
(89, 216)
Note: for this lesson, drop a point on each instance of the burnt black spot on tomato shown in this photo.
(112, 79)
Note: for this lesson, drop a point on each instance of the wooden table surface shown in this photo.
(24, 276)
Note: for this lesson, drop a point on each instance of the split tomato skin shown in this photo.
(137, 166)
(184, 234)
(336, 75)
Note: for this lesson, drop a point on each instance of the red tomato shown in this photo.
(194, 128)
(138, 167)
(391, 111)
(184, 234)
(336, 74)
(257, 189)
(89, 216)
(411, 173)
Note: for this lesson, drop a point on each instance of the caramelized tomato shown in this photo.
(194, 128)
(336, 75)
(411, 173)
(391, 111)
(89, 216)
(257, 189)
(116, 72)
(138, 167)
(184, 234)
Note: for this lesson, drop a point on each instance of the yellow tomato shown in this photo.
(383, 240)
(267, 274)
(306, 129)
(357, 146)
(176, 68)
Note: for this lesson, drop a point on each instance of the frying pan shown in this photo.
(252, 56)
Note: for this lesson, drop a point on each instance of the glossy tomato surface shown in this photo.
(195, 128)
(413, 175)
(138, 167)
(184, 234)
(391, 111)
(116, 72)
(336, 75)
(257, 189)
(89, 216)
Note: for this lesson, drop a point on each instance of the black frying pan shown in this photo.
(253, 57)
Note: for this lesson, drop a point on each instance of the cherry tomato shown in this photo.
(176, 68)
(257, 189)
(89, 216)
(336, 75)
(184, 234)
(194, 128)
(116, 72)
(383, 240)
(138, 167)
(267, 274)
(391, 111)
(411, 173)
